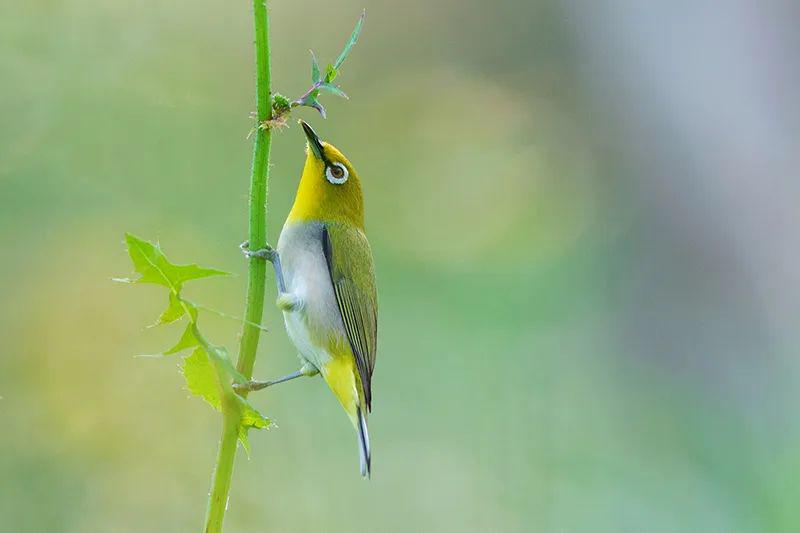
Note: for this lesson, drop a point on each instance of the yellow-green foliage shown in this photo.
(208, 370)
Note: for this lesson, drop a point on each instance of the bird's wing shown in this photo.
(350, 264)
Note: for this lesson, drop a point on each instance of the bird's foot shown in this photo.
(253, 385)
(267, 252)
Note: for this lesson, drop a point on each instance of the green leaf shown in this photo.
(174, 311)
(201, 377)
(250, 418)
(319, 107)
(208, 370)
(154, 267)
(315, 76)
(187, 340)
(333, 89)
(330, 73)
(310, 100)
(351, 42)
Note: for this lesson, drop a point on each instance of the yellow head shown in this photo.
(329, 189)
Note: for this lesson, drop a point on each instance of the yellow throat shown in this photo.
(319, 199)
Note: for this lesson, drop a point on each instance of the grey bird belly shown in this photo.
(306, 275)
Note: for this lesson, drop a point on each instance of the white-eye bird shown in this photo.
(326, 284)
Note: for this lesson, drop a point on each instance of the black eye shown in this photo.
(337, 172)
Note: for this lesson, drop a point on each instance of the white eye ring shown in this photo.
(333, 179)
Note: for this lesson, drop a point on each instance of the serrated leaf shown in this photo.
(187, 340)
(315, 75)
(201, 377)
(350, 42)
(174, 311)
(333, 89)
(208, 370)
(330, 73)
(154, 267)
(244, 440)
(250, 418)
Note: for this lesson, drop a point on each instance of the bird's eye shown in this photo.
(336, 173)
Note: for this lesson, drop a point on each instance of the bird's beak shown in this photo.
(313, 141)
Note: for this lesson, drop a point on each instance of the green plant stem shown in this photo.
(221, 482)
(257, 268)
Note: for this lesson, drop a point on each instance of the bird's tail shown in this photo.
(363, 444)
(342, 378)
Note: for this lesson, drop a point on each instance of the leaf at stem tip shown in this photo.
(333, 89)
(330, 73)
(153, 266)
(319, 107)
(350, 42)
(315, 75)
(310, 100)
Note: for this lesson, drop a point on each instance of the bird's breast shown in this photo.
(305, 270)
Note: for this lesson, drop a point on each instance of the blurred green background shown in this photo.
(584, 217)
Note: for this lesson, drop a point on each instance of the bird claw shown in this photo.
(250, 386)
(267, 252)
(253, 385)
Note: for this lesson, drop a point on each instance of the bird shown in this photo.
(327, 292)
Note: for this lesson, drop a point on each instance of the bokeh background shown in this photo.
(586, 222)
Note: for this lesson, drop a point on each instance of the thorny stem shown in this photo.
(254, 307)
